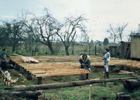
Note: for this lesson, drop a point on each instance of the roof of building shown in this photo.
(135, 35)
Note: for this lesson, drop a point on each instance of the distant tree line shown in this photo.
(31, 31)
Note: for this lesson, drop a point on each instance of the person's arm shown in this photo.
(80, 61)
(7, 55)
(89, 65)
(105, 57)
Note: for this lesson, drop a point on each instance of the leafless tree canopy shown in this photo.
(30, 31)
(71, 27)
(116, 33)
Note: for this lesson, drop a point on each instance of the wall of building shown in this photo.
(135, 47)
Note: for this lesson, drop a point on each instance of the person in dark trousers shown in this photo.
(106, 58)
(85, 61)
(3, 57)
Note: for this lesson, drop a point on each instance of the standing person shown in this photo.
(85, 61)
(3, 57)
(106, 58)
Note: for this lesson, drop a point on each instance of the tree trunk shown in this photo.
(50, 47)
(14, 46)
(67, 50)
(131, 84)
(89, 48)
(73, 50)
(25, 94)
(95, 49)
(65, 84)
(26, 49)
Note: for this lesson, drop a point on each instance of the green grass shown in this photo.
(2, 86)
(81, 93)
(44, 50)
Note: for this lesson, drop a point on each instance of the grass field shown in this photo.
(43, 50)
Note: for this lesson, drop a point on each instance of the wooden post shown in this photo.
(95, 49)
(16, 66)
(39, 80)
(21, 69)
(90, 91)
(28, 76)
(104, 75)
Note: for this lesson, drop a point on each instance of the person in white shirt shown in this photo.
(106, 58)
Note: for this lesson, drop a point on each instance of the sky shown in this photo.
(100, 13)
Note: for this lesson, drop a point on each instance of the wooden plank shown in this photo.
(38, 72)
(50, 69)
(61, 73)
(29, 60)
(125, 72)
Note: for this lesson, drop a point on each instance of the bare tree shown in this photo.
(31, 44)
(46, 27)
(29, 36)
(90, 44)
(3, 36)
(113, 33)
(121, 29)
(13, 30)
(71, 27)
(116, 33)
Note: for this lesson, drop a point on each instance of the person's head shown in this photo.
(106, 50)
(84, 55)
(4, 50)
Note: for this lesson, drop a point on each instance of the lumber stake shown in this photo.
(90, 91)
(39, 80)
(65, 84)
(28, 75)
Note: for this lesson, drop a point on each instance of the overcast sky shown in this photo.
(101, 13)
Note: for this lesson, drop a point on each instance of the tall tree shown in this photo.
(3, 36)
(13, 31)
(113, 33)
(90, 44)
(45, 26)
(106, 42)
(121, 29)
(116, 33)
(71, 27)
(31, 44)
